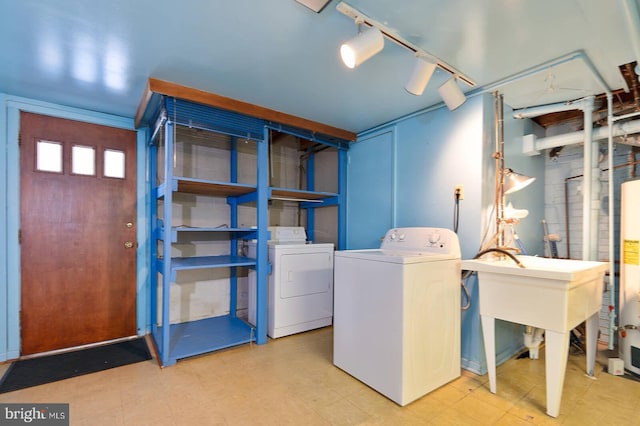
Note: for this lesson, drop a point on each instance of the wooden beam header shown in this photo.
(210, 99)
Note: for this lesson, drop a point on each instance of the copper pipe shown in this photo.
(498, 155)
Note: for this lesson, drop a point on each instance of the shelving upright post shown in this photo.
(167, 194)
(262, 265)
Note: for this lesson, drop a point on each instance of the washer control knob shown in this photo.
(434, 238)
(393, 236)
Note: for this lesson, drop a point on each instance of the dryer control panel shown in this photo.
(422, 239)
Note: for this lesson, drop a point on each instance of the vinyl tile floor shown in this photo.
(292, 381)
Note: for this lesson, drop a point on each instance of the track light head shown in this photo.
(451, 94)
(362, 47)
(422, 71)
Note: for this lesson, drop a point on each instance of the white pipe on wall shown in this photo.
(612, 265)
(588, 187)
(594, 202)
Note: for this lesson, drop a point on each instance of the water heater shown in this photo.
(629, 342)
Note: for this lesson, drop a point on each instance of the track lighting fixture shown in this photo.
(362, 47)
(420, 76)
(371, 41)
(451, 94)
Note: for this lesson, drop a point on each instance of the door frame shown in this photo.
(10, 107)
(383, 132)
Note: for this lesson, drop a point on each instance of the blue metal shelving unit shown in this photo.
(176, 341)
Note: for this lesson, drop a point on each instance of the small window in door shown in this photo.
(114, 163)
(49, 156)
(83, 160)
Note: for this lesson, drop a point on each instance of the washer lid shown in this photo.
(394, 256)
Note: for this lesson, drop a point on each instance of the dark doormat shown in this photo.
(38, 371)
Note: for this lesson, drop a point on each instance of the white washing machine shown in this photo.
(300, 286)
(397, 313)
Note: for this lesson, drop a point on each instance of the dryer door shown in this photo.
(305, 274)
(302, 296)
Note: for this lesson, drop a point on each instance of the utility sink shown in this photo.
(534, 266)
(553, 294)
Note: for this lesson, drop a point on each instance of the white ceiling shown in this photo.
(280, 55)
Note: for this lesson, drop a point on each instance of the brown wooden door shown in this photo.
(77, 274)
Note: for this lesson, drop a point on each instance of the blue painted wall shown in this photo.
(432, 152)
(10, 107)
(404, 174)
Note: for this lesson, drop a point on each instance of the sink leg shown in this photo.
(557, 352)
(591, 343)
(489, 333)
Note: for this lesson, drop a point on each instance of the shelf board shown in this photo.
(299, 195)
(211, 229)
(203, 262)
(206, 335)
(205, 187)
(234, 233)
(220, 189)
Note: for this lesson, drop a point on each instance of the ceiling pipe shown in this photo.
(618, 130)
(536, 111)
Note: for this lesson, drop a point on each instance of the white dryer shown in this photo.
(300, 286)
(397, 313)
